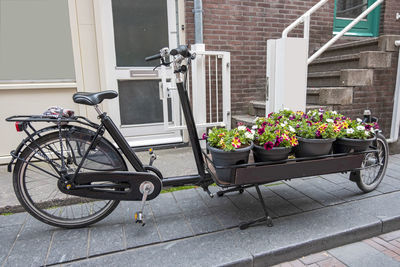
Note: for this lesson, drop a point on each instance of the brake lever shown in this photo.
(163, 63)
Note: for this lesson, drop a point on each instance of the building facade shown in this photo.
(50, 49)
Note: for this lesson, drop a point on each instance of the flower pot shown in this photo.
(275, 154)
(345, 145)
(313, 147)
(229, 158)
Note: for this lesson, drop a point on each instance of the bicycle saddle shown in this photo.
(93, 98)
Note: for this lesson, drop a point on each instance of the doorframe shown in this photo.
(107, 61)
(367, 28)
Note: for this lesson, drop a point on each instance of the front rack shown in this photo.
(272, 171)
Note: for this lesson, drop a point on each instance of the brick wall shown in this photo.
(389, 24)
(243, 28)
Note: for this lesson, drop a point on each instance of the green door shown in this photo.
(347, 10)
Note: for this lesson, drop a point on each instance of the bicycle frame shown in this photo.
(201, 178)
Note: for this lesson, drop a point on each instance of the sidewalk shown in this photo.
(190, 228)
(383, 250)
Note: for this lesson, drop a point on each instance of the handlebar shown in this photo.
(153, 57)
(181, 50)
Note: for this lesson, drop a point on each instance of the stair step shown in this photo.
(335, 63)
(311, 107)
(247, 120)
(325, 78)
(330, 96)
(357, 77)
(371, 44)
(257, 108)
(375, 59)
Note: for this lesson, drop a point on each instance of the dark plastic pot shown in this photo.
(345, 145)
(313, 147)
(276, 153)
(229, 158)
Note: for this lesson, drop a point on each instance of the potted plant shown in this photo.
(355, 135)
(315, 138)
(228, 148)
(274, 143)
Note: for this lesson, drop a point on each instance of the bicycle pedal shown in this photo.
(153, 156)
(139, 218)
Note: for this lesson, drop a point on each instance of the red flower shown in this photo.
(268, 146)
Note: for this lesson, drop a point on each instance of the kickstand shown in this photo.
(146, 189)
(266, 218)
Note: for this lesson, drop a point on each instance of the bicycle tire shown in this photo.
(365, 179)
(42, 209)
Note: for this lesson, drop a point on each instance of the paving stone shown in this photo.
(375, 245)
(106, 238)
(116, 217)
(336, 178)
(248, 204)
(316, 257)
(265, 191)
(392, 182)
(286, 191)
(344, 194)
(15, 219)
(184, 194)
(8, 235)
(280, 206)
(362, 195)
(319, 195)
(229, 216)
(138, 235)
(391, 236)
(164, 205)
(192, 205)
(32, 244)
(217, 249)
(326, 185)
(331, 262)
(215, 201)
(68, 245)
(202, 223)
(306, 233)
(360, 254)
(305, 203)
(173, 227)
(385, 188)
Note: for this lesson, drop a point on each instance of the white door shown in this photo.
(131, 31)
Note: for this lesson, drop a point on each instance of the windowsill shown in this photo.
(37, 85)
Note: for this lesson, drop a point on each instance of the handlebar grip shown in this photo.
(153, 57)
(182, 50)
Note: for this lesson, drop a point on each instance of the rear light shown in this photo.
(20, 126)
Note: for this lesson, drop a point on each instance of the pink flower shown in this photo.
(309, 123)
(268, 146)
(269, 115)
(264, 123)
(318, 134)
(278, 141)
(261, 131)
(204, 136)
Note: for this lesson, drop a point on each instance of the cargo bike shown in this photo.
(69, 175)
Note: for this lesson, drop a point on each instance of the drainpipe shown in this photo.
(198, 21)
(394, 131)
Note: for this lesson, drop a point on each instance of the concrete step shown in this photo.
(330, 96)
(375, 59)
(247, 120)
(257, 108)
(335, 63)
(324, 107)
(353, 47)
(323, 79)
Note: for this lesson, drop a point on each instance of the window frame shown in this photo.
(365, 28)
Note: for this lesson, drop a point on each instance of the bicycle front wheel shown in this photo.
(36, 175)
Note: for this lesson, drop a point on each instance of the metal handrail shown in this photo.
(304, 18)
(342, 32)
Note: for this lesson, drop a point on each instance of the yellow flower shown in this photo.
(222, 143)
(236, 142)
(293, 141)
(285, 137)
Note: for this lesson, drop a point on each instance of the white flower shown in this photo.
(242, 128)
(283, 124)
(359, 120)
(334, 112)
(320, 113)
(209, 131)
(350, 131)
(367, 133)
(329, 120)
(285, 109)
(253, 132)
(360, 128)
(292, 129)
(249, 135)
(256, 119)
(254, 127)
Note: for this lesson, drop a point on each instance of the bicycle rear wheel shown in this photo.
(35, 178)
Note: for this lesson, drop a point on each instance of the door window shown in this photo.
(347, 10)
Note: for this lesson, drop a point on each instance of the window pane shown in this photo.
(35, 40)
(140, 29)
(140, 102)
(350, 8)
